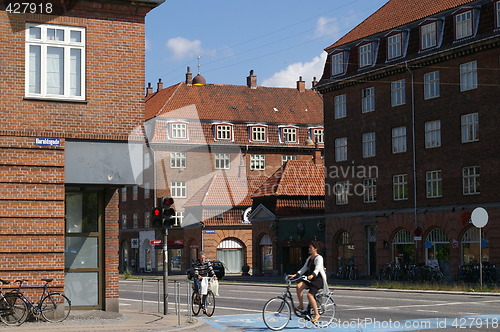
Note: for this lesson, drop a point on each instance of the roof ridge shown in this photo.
(170, 98)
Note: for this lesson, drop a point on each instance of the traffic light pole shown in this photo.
(165, 272)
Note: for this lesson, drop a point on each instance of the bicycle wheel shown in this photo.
(276, 313)
(13, 309)
(55, 307)
(209, 303)
(326, 309)
(195, 307)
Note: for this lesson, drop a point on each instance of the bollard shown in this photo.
(142, 294)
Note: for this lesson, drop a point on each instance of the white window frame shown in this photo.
(398, 93)
(394, 46)
(258, 134)
(369, 144)
(223, 132)
(178, 189)
(428, 35)
(400, 187)
(368, 100)
(69, 80)
(288, 135)
(341, 149)
(434, 184)
(135, 220)
(338, 63)
(464, 25)
(257, 162)
(340, 106)
(470, 127)
(431, 85)
(317, 135)
(370, 190)
(222, 161)
(365, 55)
(147, 219)
(178, 159)
(432, 134)
(468, 76)
(286, 158)
(178, 130)
(470, 180)
(342, 192)
(399, 140)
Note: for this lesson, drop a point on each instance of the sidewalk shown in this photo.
(126, 320)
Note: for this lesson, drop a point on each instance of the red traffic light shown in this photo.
(167, 201)
(156, 212)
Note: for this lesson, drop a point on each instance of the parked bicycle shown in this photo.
(277, 311)
(205, 303)
(52, 306)
(13, 309)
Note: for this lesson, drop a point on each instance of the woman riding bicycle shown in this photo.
(316, 279)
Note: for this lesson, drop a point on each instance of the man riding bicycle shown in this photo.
(202, 268)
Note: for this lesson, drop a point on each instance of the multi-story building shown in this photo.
(411, 100)
(67, 112)
(212, 145)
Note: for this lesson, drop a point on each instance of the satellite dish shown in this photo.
(479, 217)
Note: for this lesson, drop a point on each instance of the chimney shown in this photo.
(149, 89)
(189, 77)
(301, 85)
(252, 80)
(314, 82)
(160, 85)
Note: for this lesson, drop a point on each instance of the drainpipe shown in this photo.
(414, 146)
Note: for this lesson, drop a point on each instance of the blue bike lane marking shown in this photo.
(254, 323)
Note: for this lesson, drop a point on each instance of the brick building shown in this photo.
(71, 82)
(212, 146)
(411, 97)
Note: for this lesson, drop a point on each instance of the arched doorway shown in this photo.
(266, 254)
(230, 252)
(403, 248)
(470, 247)
(437, 250)
(345, 253)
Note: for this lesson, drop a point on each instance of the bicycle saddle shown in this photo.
(47, 279)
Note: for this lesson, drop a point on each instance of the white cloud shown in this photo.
(327, 27)
(182, 48)
(288, 77)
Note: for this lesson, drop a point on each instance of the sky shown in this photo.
(279, 39)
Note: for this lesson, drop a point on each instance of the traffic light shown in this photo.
(167, 212)
(156, 218)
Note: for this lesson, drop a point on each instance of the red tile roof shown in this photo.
(396, 13)
(239, 103)
(295, 178)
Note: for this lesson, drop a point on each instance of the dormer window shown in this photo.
(223, 132)
(338, 63)
(463, 24)
(177, 130)
(394, 46)
(317, 135)
(258, 133)
(365, 55)
(288, 135)
(428, 35)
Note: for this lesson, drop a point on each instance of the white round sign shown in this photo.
(479, 217)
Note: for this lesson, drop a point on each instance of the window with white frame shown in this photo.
(337, 63)
(318, 135)
(463, 24)
(178, 130)
(124, 194)
(398, 139)
(394, 46)
(55, 61)
(470, 127)
(431, 85)
(470, 180)
(135, 193)
(370, 190)
(432, 134)
(147, 190)
(147, 219)
(497, 10)
(289, 135)
(258, 134)
(368, 100)
(257, 162)
(398, 94)
(342, 192)
(434, 184)
(178, 218)
(223, 132)
(284, 159)
(341, 149)
(365, 55)
(340, 106)
(222, 160)
(177, 159)
(368, 142)
(178, 189)
(124, 221)
(468, 76)
(428, 35)
(400, 187)
(135, 220)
